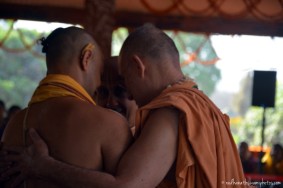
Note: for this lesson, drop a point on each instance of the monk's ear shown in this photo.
(85, 60)
(139, 65)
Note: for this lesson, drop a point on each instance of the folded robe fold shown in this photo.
(207, 155)
(58, 85)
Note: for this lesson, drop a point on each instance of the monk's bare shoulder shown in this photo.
(96, 113)
(95, 119)
(14, 129)
(108, 128)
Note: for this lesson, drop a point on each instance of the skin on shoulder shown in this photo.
(115, 137)
(152, 155)
(68, 131)
(98, 137)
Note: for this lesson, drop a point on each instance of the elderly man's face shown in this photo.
(112, 93)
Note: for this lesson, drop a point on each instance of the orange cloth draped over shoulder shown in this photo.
(207, 155)
(58, 85)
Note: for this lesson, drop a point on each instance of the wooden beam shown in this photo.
(42, 13)
(132, 20)
(203, 24)
(99, 22)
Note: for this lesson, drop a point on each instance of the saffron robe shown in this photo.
(58, 85)
(207, 155)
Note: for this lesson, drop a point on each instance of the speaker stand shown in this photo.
(261, 165)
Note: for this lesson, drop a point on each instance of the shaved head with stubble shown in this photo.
(151, 57)
(66, 53)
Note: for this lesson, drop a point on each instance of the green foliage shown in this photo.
(206, 76)
(250, 128)
(242, 100)
(19, 72)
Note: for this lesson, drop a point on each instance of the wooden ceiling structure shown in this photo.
(100, 17)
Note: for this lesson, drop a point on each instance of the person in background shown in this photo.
(273, 161)
(112, 92)
(249, 163)
(12, 111)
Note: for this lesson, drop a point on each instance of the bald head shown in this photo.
(150, 42)
(149, 61)
(72, 51)
(64, 45)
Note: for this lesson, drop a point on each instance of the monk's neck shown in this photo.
(174, 79)
(166, 83)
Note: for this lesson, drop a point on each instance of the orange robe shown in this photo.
(59, 85)
(207, 155)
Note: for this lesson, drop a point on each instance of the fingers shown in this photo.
(2, 155)
(35, 138)
(38, 143)
(12, 170)
(12, 149)
(7, 167)
(8, 155)
(18, 180)
(4, 169)
(6, 160)
(10, 158)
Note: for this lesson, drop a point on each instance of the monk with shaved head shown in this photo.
(182, 139)
(61, 109)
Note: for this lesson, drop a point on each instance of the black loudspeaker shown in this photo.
(264, 88)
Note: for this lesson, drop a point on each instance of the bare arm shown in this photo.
(145, 164)
(116, 141)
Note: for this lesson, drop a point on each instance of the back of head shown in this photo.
(13, 110)
(72, 51)
(277, 152)
(243, 148)
(64, 45)
(148, 41)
